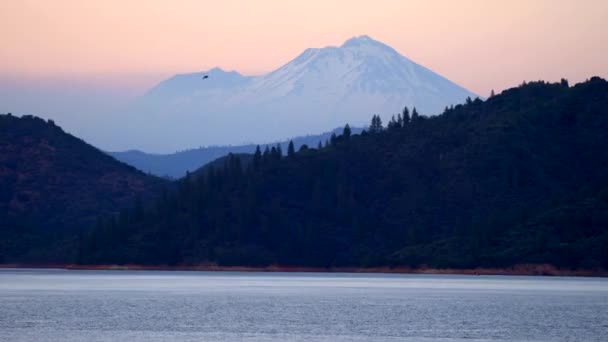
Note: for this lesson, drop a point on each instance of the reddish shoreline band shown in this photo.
(517, 270)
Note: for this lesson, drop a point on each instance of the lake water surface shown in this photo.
(57, 305)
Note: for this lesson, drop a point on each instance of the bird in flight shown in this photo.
(205, 77)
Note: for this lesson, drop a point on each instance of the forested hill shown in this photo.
(519, 178)
(51, 181)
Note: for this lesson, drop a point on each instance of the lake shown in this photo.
(60, 305)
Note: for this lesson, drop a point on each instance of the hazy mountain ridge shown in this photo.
(319, 89)
(175, 165)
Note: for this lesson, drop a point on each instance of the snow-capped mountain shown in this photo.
(318, 90)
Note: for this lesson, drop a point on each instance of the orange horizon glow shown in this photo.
(481, 45)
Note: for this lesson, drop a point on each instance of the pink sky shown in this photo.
(481, 45)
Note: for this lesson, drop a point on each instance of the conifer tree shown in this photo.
(376, 124)
(279, 151)
(392, 124)
(266, 154)
(257, 158)
(346, 132)
(290, 149)
(415, 115)
(406, 116)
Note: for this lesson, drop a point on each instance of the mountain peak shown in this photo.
(216, 70)
(220, 71)
(338, 84)
(358, 41)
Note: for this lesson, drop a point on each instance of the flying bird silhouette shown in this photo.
(205, 77)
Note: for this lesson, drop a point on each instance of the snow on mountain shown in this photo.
(318, 90)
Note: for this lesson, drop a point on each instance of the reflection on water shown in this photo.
(57, 305)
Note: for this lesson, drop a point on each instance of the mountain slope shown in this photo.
(319, 89)
(519, 178)
(175, 165)
(51, 181)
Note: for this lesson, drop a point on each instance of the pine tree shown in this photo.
(279, 151)
(415, 115)
(392, 124)
(257, 158)
(406, 116)
(376, 124)
(346, 132)
(266, 154)
(290, 149)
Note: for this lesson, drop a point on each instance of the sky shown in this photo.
(102, 53)
(481, 45)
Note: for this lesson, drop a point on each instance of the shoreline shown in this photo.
(516, 270)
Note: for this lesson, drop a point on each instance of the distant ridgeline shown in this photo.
(176, 165)
(519, 178)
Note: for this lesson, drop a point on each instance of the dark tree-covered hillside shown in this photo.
(519, 178)
(52, 183)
